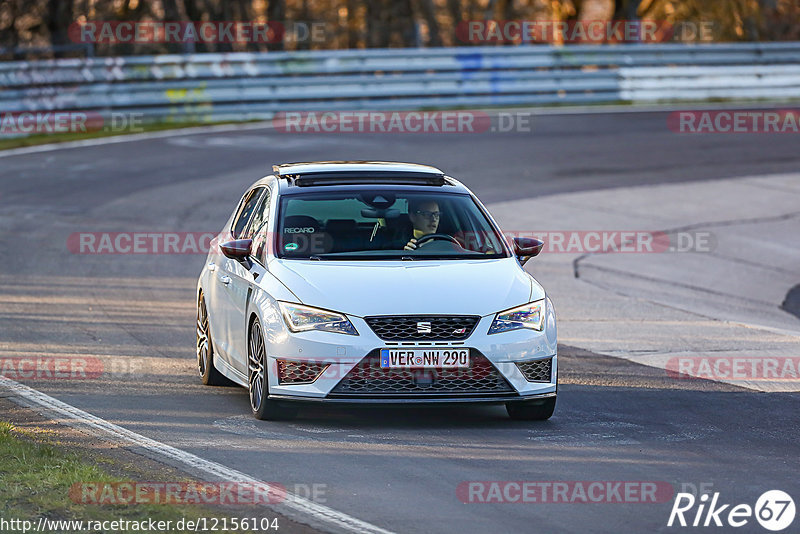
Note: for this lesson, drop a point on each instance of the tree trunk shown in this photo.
(626, 9)
(9, 36)
(59, 17)
(244, 13)
(353, 37)
(172, 13)
(305, 16)
(276, 12)
(223, 12)
(195, 12)
(377, 27)
(428, 10)
(454, 7)
(403, 23)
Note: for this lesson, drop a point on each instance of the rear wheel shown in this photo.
(205, 349)
(258, 385)
(531, 410)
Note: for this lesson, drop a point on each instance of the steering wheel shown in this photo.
(443, 237)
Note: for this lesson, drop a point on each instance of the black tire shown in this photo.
(205, 349)
(258, 385)
(532, 410)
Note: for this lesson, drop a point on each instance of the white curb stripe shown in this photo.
(127, 138)
(327, 516)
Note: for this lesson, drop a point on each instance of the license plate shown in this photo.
(424, 358)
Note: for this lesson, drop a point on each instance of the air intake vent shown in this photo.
(299, 372)
(369, 379)
(537, 370)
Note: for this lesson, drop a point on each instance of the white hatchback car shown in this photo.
(373, 282)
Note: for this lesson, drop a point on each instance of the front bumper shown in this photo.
(416, 399)
(344, 352)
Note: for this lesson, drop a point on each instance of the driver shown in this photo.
(424, 216)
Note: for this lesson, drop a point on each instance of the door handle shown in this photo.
(225, 279)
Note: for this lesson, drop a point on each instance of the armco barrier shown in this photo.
(243, 86)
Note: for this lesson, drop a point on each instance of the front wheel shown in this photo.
(258, 384)
(205, 349)
(531, 410)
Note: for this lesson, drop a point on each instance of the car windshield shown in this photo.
(385, 225)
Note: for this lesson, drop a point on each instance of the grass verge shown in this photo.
(43, 139)
(35, 482)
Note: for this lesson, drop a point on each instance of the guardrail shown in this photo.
(87, 49)
(244, 86)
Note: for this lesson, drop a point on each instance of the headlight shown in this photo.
(301, 318)
(527, 316)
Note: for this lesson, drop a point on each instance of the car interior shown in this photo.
(313, 236)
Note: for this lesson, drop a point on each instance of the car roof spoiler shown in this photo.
(360, 172)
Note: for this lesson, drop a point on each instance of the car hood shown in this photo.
(362, 288)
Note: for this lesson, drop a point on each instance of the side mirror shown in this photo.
(526, 248)
(237, 250)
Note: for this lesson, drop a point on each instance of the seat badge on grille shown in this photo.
(424, 327)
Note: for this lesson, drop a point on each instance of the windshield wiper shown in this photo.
(407, 258)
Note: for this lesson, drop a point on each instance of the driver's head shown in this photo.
(424, 215)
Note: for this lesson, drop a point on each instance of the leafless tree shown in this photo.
(374, 23)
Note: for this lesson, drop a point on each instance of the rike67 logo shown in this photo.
(774, 510)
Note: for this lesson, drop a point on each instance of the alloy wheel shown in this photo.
(256, 366)
(202, 337)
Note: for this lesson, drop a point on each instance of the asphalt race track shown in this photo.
(398, 468)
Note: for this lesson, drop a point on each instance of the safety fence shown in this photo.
(246, 86)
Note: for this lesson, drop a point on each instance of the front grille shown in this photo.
(537, 370)
(407, 327)
(368, 378)
(297, 372)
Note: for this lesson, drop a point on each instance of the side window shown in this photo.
(257, 231)
(245, 211)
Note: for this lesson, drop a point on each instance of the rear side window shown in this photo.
(246, 208)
